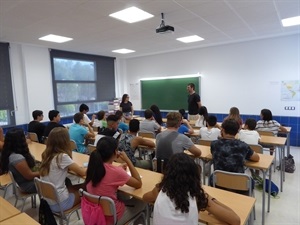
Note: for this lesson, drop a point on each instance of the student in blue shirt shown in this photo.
(185, 126)
(123, 126)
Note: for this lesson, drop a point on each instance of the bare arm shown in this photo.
(195, 151)
(186, 122)
(283, 129)
(141, 141)
(132, 111)
(92, 120)
(23, 168)
(199, 104)
(254, 157)
(135, 179)
(151, 196)
(222, 212)
(77, 169)
(91, 133)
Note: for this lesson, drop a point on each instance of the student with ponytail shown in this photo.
(103, 178)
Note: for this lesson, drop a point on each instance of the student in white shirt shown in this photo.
(211, 132)
(179, 196)
(202, 121)
(249, 135)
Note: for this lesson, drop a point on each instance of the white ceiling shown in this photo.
(87, 21)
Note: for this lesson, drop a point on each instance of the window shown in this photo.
(80, 78)
(7, 117)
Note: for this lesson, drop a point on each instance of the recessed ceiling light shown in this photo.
(131, 15)
(292, 21)
(190, 39)
(55, 38)
(123, 51)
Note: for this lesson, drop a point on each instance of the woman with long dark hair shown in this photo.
(156, 114)
(17, 159)
(103, 178)
(126, 107)
(179, 196)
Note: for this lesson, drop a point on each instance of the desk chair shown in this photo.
(5, 183)
(20, 195)
(161, 164)
(142, 151)
(45, 139)
(205, 142)
(33, 136)
(47, 190)
(108, 206)
(235, 182)
(207, 163)
(269, 147)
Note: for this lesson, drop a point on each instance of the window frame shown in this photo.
(104, 76)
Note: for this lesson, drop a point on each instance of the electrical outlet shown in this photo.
(289, 108)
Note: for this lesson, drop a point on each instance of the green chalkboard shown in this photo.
(167, 94)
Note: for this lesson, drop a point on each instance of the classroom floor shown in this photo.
(285, 207)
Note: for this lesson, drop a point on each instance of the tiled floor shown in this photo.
(284, 209)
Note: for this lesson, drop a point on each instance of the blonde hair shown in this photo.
(174, 119)
(58, 143)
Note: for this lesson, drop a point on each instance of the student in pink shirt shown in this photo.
(103, 178)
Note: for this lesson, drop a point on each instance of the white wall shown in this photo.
(247, 75)
(32, 81)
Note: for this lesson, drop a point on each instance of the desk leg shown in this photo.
(288, 143)
(282, 167)
(148, 214)
(269, 192)
(203, 171)
(263, 197)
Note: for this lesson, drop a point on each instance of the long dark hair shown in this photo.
(106, 148)
(124, 97)
(157, 114)
(203, 112)
(181, 179)
(15, 142)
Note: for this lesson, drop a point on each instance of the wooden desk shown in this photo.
(280, 143)
(241, 204)
(7, 210)
(20, 219)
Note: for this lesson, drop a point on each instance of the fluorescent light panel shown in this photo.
(131, 15)
(123, 51)
(190, 39)
(55, 38)
(291, 21)
(172, 77)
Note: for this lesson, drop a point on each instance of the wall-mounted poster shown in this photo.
(290, 90)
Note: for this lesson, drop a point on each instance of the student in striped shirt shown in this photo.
(267, 123)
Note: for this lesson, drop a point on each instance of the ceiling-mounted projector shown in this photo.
(162, 29)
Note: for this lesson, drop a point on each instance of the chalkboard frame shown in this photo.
(169, 94)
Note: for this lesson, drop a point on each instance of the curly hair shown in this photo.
(15, 142)
(181, 180)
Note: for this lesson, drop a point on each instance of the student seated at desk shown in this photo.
(234, 114)
(249, 135)
(36, 126)
(229, 153)
(84, 109)
(203, 117)
(179, 197)
(123, 126)
(129, 143)
(17, 159)
(170, 142)
(79, 133)
(56, 162)
(54, 118)
(101, 120)
(268, 124)
(149, 125)
(103, 178)
(112, 127)
(185, 127)
(211, 132)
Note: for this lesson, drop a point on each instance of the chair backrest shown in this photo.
(47, 190)
(33, 136)
(205, 142)
(257, 148)
(232, 181)
(161, 165)
(16, 187)
(73, 145)
(146, 134)
(265, 133)
(107, 204)
(45, 139)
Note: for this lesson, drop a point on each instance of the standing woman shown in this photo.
(126, 107)
(156, 114)
(56, 161)
(17, 159)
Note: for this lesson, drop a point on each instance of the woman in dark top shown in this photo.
(126, 107)
(17, 159)
(156, 114)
